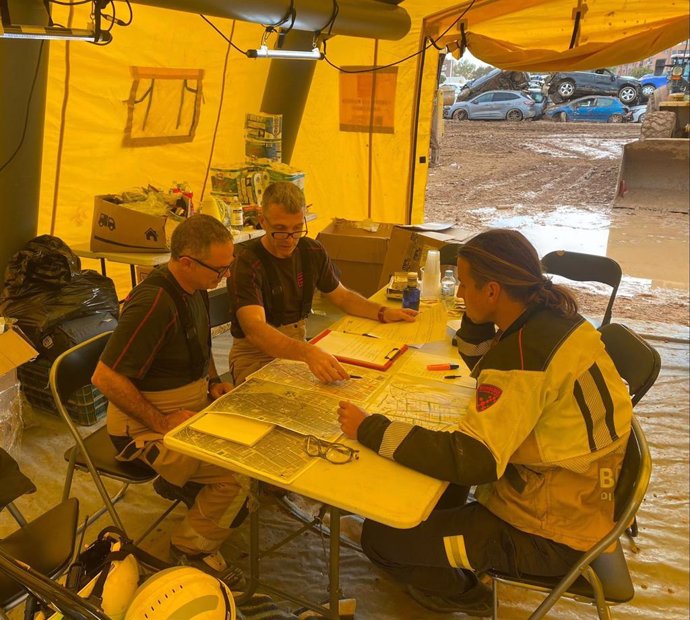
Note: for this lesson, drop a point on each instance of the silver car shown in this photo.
(638, 113)
(510, 105)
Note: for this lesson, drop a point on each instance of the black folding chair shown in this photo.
(46, 543)
(95, 453)
(219, 307)
(599, 577)
(586, 268)
(449, 253)
(636, 360)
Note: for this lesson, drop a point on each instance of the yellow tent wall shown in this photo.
(348, 174)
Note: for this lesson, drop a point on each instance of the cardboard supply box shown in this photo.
(14, 351)
(358, 253)
(407, 249)
(116, 228)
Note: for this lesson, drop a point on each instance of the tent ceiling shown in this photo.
(550, 35)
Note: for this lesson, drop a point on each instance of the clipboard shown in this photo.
(358, 350)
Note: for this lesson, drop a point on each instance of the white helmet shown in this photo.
(182, 592)
(119, 588)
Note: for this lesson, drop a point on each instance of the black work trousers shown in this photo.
(459, 536)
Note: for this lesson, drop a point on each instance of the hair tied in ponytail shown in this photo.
(547, 284)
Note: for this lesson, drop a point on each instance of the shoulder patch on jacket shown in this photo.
(487, 395)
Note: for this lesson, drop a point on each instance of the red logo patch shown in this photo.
(487, 395)
(300, 280)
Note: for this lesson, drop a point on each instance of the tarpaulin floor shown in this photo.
(658, 560)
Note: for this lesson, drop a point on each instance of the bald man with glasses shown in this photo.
(157, 371)
(272, 284)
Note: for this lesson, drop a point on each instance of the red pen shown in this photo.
(443, 366)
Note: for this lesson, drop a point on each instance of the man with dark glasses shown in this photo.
(272, 284)
(157, 371)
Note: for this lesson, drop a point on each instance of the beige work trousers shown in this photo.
(245, 358)
(205, 526)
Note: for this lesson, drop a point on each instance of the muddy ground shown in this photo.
(530, 171)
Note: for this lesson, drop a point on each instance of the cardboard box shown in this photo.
(116, 228)
(14, 351)
(407, 249)
(358, 253)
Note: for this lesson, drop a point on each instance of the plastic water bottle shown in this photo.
(411, 294)
(448, 289)
(236, 214)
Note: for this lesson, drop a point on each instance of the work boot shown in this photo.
(214, 564)
(476, 601)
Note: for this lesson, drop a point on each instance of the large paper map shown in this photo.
(287, 395)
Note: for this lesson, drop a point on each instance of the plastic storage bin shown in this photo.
(86, 406)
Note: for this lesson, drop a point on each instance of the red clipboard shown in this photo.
(389, 351)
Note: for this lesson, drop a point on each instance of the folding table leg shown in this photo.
(254, 551)
(334, 591)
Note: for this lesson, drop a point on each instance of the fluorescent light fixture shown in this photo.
(52, 33)
(266, 52)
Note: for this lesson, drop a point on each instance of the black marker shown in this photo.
(453, 377)
(355, 377)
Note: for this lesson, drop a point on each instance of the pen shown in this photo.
(355, 377)
(443, 366)
(360, 334)
(453, 377)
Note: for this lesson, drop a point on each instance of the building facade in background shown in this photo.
(657, 63)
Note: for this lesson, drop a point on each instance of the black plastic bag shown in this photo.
(87, 293)
(44, 263)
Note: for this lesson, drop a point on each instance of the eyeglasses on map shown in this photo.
(219, 271)
(336, 453)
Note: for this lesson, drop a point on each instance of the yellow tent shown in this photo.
(359, 161)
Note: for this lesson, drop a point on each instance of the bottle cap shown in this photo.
(412, 278)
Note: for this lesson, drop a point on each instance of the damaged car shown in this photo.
(567, 85)
(496, 79)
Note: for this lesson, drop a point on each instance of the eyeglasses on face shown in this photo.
(336, 453)
(219, 271)
(282, 235)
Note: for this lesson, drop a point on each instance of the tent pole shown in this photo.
(23, 72)
(287, 88)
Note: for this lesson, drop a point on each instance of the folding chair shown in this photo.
(602, 578)
(586, 268)
(219, 307)
(46, 543)
(46, 590)
(636, 360)
(449, 254)
(95, 453)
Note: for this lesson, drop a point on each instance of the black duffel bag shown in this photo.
(63, 336)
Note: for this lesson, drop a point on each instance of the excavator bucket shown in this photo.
(655, 174)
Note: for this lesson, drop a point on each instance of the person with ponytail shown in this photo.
(544, 438)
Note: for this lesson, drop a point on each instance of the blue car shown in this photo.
(651, 82)
(592, 110)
